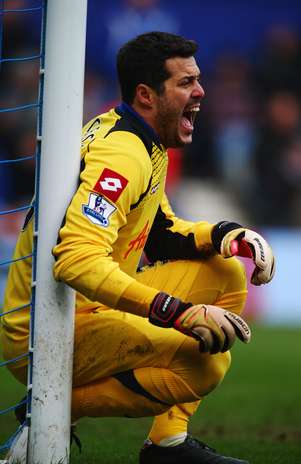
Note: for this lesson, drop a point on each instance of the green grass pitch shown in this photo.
(255, 414)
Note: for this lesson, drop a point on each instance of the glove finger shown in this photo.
(204, 343)
(218, 344)
(256, 278)
(263, 276)
(230, 336)
(224, 331)
(241, 328)
(236, 234)
(216, 323)
(262, 252)
(209, 341)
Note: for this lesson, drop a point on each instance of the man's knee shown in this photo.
(213, 370)
(229, 272)
(233, 285)
(202, 372)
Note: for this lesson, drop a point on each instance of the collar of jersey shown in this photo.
(125, 108)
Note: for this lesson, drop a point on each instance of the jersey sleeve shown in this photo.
(175, 238)
(112, 180)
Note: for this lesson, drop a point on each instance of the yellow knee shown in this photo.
(202, 372)
(213, 369)
(233, 285)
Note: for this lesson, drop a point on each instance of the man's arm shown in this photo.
(175, 238)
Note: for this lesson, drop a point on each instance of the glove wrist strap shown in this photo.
(165, 310)
(220, 230)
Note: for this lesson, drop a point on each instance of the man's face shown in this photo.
(177, 106)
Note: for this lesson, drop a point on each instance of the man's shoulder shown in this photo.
(113, 129)
(132, 129)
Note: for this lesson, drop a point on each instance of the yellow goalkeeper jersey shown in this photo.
(118, 210)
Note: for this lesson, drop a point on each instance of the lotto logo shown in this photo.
(110, 184)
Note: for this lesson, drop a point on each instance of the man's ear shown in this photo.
(145, 95)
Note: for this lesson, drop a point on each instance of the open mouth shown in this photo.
(189, 116)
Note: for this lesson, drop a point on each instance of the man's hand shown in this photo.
(215, 328)
(230, 239)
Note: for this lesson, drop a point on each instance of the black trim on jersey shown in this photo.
(81, 169)
(163, 244)
(142, 195)
(128, 380)
(28, 217)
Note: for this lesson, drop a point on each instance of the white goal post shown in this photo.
(49, 433)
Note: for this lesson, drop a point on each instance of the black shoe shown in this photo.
(191, 451)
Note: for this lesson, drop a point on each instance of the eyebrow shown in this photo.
(190, 77)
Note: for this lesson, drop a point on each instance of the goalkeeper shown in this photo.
(152, 342)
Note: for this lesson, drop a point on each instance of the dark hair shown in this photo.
(142, 60)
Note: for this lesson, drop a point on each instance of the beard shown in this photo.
(168, 125)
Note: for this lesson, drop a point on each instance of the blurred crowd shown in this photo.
(247, 136)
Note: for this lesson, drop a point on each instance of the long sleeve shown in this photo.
(175, 238)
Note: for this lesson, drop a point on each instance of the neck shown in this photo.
(145, 120)
(146, 114)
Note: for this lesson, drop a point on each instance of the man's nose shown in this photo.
(198, 90)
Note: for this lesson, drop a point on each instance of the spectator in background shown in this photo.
(222, 147)
(17, 28)
(98, 94)
(233, 108)
(279, 65)
(18, 128)
(277, 161)
(253, 155)
(19, 83)
(292, 171)
(200, 159)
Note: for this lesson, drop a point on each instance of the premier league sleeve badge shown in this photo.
(98, 210)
